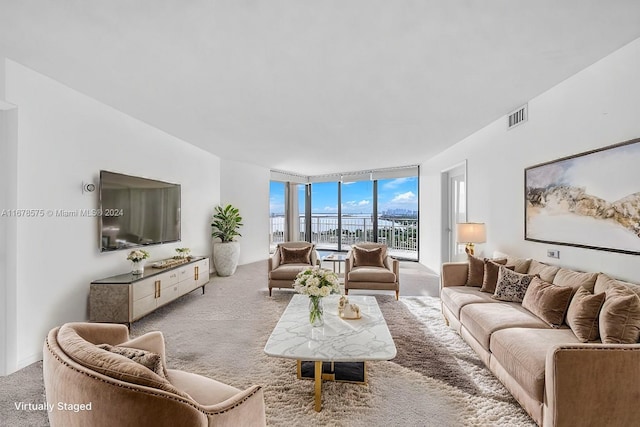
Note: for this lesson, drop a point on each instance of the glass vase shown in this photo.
(137, 267)
(316, 311)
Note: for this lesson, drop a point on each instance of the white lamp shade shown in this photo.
(471, 232)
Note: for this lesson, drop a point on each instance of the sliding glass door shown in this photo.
(324, 215)
(356, 213)
(397, 223)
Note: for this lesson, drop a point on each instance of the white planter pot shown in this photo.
(225, 257)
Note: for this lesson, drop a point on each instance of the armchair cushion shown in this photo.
(371, 274)
(368, 257)
(296, 255)
(287, 271)
(203, 390)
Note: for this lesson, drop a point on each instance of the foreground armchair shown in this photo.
(368, 266)
(289, 259)
(94, 375)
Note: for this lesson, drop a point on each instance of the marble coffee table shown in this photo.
(337, 341)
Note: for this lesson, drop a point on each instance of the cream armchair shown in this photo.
(111, 389)
(368, 266)
(289, 259)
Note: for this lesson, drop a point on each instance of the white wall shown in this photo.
(64, 138)
(246, 187)
(595, 108)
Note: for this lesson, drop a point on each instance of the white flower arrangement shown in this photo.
(138, 255)
(317, 282)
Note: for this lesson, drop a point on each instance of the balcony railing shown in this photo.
(399, 234)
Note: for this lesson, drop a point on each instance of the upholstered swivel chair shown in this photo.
(368, 266)
(289, 259)
(126, 383)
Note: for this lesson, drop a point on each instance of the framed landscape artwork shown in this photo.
(589, 200)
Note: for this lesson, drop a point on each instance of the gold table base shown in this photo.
(319, 375)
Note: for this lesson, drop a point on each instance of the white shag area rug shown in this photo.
(435, 380)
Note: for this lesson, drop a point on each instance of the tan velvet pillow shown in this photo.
(520, 265)
(475, 276)
(575, 279)
(490, 278)
(295, 255)
(545, 271)
(604, 283)
(582, 315)
(367, 257)
(547, 301)
(149, 360)
(475, 271)
(620, 317)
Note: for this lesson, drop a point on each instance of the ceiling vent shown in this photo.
(518, 116)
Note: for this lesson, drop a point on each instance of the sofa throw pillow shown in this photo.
(475, 271)
(575, 279)
(475, 276)
(545, 271)
(604, 283)
(520, 265)
(295, 255)
(367, 257)
(511, 286)
(490, 278)
(547, 301)
(149, 360)
(619, 320)
(582, 315)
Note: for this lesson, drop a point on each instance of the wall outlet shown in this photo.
(552, 253)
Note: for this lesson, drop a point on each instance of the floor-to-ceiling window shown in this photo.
(398, 215)
(277, 217)
(356, 213)
(337, 211)
(324, 215)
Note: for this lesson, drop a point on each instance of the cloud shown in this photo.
(391, 185)
(363, 203)
(408, 197)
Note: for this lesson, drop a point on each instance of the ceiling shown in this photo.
(315, 87)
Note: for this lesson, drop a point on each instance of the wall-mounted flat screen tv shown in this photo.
(137, 211)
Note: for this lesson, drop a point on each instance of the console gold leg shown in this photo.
(318, 385)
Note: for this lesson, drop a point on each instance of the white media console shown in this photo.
(126, 298)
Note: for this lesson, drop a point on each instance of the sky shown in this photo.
(357, 197)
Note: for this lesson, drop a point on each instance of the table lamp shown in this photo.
(471, 233)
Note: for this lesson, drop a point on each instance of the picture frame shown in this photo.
(589, 200)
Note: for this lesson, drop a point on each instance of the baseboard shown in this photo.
(23, 363)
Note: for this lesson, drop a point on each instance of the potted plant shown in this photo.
(226, 223)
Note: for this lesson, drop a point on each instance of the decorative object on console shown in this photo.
(183, 253)
(137, 259)
(471, 233)
(567, 203)
(226, 223)
(316, 283)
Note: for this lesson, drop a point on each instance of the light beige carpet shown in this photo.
(435, 380)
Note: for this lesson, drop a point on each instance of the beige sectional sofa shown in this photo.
(558, 380)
